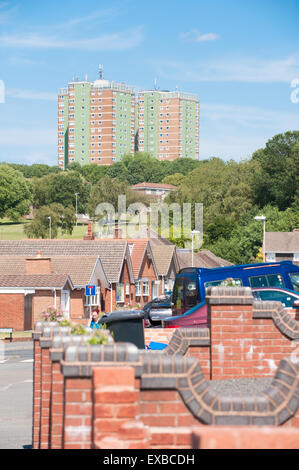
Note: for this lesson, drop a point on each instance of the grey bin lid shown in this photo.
(121, 315)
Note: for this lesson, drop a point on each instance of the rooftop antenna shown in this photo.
(101, 71)
(155, 84)
(86, 77)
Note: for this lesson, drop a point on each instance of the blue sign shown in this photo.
(90, 290)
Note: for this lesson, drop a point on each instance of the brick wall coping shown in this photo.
(183, 338)
(287, 325)
(157, 371)
(39, 328)
(59, 344)
(223, 295)
(45, 332)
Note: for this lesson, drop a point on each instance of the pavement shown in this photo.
(16, 395)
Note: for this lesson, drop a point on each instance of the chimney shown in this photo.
(89, 235)
(117, 233)
(38, 265)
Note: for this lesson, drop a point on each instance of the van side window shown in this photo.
(258, 281)
(275, 280)
(269, 280)
(224, 282)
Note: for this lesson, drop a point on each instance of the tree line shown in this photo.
(232, 193)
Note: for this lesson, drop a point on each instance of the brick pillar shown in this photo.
(36, 394)
(230, 317)
(78, 413)
(116, 410)
(46, 378)
(57, 407)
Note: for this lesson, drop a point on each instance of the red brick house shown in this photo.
(23, 298)
(114, 263)
(56, 281)
(154, 190)
(167, 264)
(145, 271)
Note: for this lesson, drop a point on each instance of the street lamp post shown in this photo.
(76, 194)
(50, 226)
(194, 232)
(263, 219)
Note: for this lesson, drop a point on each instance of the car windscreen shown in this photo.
(295, 281)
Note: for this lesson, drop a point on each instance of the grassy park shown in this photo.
(10, 230)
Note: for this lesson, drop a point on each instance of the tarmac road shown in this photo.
(16, 387)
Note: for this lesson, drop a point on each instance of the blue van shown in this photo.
(188, 298)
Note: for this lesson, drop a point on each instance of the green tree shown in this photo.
(93, 172)
(176, 179)
(277, 180)
(49, 219)
(61, 188)
(15, 193)
(107, 190)
(246, 238)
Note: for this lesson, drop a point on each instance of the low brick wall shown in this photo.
(118, 397)
(159, 335)
(248, 339)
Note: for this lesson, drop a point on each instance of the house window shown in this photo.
(138, 288)
(145, 287)
(119, 293)
(127, 288)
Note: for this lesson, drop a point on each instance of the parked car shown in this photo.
(288, 298)
(157, 310)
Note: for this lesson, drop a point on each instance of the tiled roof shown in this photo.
(282, 242)
(111, 252)
(203, 259)
(138, 248)
(34, 281)
(79, 268)
(137, 251)
(163, 255)
(153, 186)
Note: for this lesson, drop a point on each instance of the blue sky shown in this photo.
(240, 58)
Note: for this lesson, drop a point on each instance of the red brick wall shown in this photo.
(12, 311)
(57, 407)
(78, 413)
(41, 300)
(77, 299)
(158, 335)
(220, 437)
(109, 410)
(242, 346)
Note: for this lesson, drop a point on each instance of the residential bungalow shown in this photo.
(202, 259)
(167, 264)
(154, 190)
(282, 246)
(69, 299)
(144, 269)
(23, 298)
(116, 285)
